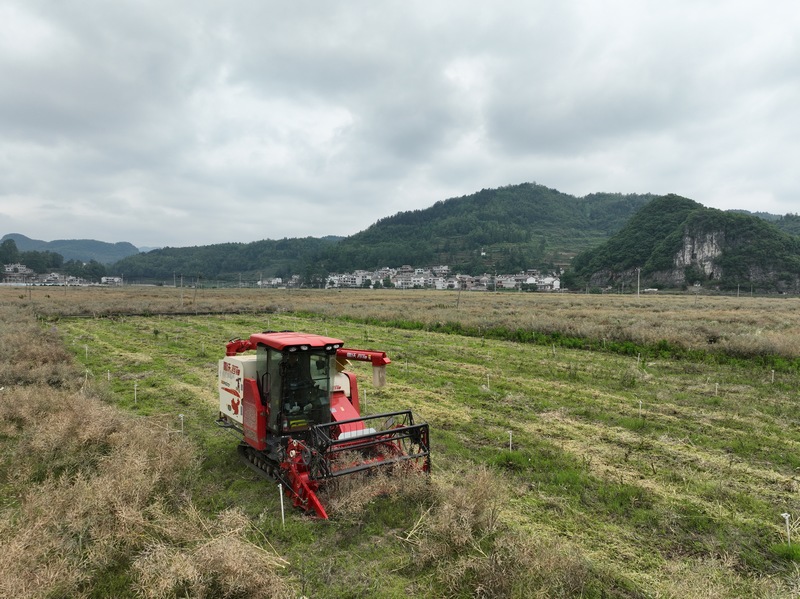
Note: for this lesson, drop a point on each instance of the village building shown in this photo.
(17, 273)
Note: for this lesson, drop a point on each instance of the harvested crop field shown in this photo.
(595, 446)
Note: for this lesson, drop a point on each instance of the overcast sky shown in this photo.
(190, 123)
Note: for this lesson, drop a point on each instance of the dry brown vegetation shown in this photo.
(746, 326)
(462, 536)
(91, 492)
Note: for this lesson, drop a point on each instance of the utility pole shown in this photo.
(638, 277)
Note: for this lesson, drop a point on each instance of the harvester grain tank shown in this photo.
(297, 410)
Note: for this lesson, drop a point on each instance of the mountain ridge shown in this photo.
(507, 229)
(84, 250)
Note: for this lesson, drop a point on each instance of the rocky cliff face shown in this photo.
(701, 251)
(698, 254)
(697, 250)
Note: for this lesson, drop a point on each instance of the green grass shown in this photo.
(787, 551)
(647, 468)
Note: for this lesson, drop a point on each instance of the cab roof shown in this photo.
(285, 339)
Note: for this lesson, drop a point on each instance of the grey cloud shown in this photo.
(319, 118)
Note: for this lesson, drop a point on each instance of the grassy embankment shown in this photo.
(630, 475)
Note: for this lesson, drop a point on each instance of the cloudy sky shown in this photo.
(196, 122)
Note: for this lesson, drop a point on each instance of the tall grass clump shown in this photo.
(474, 552)
(349, 497)
(209, 558)
(98, 494)
(454, 530)
(30, 354)
(93, 498)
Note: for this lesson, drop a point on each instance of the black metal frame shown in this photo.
(405, 436)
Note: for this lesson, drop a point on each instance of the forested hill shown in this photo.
(228, 261)
(83, 250)
(674, 241)
(504, 230)
(789, 223)
(507, 229)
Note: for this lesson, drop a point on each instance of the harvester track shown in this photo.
(262, 465)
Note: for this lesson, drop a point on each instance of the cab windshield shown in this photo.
(304, 379)
(296, 386)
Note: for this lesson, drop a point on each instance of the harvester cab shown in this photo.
(296, 386)
(297, 410)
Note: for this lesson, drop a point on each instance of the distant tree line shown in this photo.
(46, 261)
(39, 262)
(227, 261)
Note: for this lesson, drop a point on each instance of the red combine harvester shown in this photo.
(298, 412)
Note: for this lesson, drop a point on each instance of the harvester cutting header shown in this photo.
(299, 415)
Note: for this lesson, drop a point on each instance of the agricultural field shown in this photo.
(583, 446)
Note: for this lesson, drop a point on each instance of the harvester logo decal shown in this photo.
(231, 383)
(232, 368)
(233, 392)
